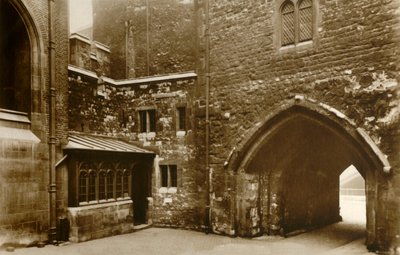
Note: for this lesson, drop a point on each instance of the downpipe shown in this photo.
(52, 232)
(208, 208)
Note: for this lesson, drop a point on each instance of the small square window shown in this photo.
(147, 121)
(169, 176)
(181, 118)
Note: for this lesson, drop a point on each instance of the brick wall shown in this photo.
(351, 64)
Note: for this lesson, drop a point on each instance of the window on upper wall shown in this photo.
(169, 176)
(181, 118)
(296, 22)
(147, 121)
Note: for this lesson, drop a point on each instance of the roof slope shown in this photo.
(101, 143)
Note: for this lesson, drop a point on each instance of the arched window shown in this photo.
(125, 184)
(15, 61)
(92, 186)
(296, 22)
(305, 20)
(102, 185)
(288, 23)
(83, 184)
(118, 185)
(110, 184)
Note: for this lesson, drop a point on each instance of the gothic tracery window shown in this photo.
(118, 184)
(83, 186)
(102, 184)
(92, 186)
(110, 184)
(125, 184)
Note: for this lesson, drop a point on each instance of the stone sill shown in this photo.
(101, 204)
(147, 136)
(297, 47)
(14, 119)
(16, 116)
(180, 133)
(170, 190)
(16, 126)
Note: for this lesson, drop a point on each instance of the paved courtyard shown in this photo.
(342, 238)
(335, 239)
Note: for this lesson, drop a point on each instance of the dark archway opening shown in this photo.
(15, 61)
(290, 182)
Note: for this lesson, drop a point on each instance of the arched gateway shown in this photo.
(286, 172)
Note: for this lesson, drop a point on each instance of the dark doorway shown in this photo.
(140, 191)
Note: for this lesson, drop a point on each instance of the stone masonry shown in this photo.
(112, 109)
(284, 120)
(351, 66)
(168, 40)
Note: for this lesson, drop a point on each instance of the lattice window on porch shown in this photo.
(125, 184)
(305, 20)
(102, 185)
(288, 24)
(92, 186)
(83, 186)
(118, 185)
(110, 184)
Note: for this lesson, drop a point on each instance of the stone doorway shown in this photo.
(141, 186)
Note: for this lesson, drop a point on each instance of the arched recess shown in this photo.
(28, 82)
(286, 171)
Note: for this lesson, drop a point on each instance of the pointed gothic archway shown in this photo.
(287, 171)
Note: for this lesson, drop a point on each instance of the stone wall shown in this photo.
(171, 33)
(89, 55)
(114, 112)
(351, 65)
(97, 221)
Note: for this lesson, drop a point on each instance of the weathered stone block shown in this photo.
(101, 220)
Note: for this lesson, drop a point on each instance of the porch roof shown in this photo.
(102, 143)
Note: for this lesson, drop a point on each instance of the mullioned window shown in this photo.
(296, 22)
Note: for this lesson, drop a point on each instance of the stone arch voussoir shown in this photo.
(328, 114)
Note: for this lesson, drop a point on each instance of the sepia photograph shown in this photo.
(200, 127)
